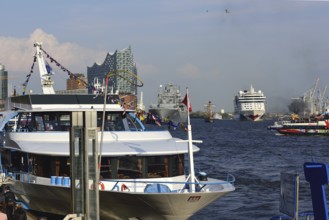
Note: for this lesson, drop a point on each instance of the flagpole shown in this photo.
(103, 123)
(190, 145)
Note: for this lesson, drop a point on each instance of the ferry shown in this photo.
(301, 128)
(141, 174)
(249, 105)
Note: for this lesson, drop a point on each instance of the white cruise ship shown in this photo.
(249, 105)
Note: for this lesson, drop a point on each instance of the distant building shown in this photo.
(119, 60)
(73, 84)
(3, 87)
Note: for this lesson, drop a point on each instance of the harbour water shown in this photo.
(256, 157)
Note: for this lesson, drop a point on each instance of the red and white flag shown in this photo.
(186, 101)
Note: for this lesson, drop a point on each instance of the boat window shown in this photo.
(134, 123)
(51, 121)
(113, 121)
(157, 167)
(176, 165)
(121, 168)
(128, 167)
(165, 166)
(47, 166)
(44, 121)
(24, 122)
(39, 122)
(64, 122)
(133, 167)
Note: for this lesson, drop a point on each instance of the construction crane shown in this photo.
(309, 98)
(321, 100)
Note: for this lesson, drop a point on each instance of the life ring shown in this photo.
(124, 188)
(101, 186)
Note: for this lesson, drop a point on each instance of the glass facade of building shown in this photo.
(119, 60)
(3, 86)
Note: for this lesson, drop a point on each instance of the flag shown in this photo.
(186, 101)
(155, 120)
(172, 124)
(183, 126)
(49, 69)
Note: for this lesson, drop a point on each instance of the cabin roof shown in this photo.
(147, 143)
(64, 101)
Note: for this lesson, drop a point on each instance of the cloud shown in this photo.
(189, 70)
(147, 69)
(17, 54)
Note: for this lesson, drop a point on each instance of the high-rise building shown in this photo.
(3, 86)
(125, 84)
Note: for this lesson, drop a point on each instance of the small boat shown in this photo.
(142, 174)
(301, 128)
(209, 114)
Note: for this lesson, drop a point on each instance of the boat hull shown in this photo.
(292, 131)
(250, 115)
(209, 119)
(116, 204)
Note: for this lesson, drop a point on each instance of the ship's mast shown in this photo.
(141, 105)
(46, 81)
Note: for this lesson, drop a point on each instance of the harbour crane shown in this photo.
(45, 73)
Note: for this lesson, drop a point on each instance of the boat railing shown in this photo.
(134, 185)
(176, 186)
(302, 216)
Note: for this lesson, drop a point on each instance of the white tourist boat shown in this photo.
(142, 173)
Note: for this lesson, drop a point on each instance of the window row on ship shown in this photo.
(61, 121)
(125, 167)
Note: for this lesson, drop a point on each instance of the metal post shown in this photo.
(84, 163)
(190, 145)
(317, 175)
(91, 165)
(76, 162)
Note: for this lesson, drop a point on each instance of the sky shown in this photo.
(215, 48)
